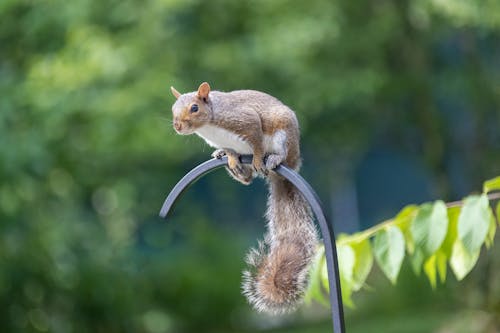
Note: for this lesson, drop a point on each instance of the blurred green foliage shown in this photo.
(87, 151)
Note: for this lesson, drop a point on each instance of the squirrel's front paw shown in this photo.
(273, 160)
(237, 170)
(259, 166)
(242, 174)
(219, 153)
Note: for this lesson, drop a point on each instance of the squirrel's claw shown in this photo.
(273, 160)
(233, 158)
(237, 170)
(240, 174)
(233, 161)
(259, 166)
(219, 153)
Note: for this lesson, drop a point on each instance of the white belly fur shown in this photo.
(221, 138)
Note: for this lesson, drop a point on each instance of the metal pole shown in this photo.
(310, 195)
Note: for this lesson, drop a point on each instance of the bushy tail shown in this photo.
(278, 274)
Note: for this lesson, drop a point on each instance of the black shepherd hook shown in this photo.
(309, 194)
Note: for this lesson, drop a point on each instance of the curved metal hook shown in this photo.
(310, 195)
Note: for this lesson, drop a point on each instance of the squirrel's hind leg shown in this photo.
(279, 148)
(273, 160)
(239, 171)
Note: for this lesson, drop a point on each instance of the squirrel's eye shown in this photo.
(194, 108)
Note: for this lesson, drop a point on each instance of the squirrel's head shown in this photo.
(191, 110)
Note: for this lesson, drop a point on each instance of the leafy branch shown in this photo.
(432, 236)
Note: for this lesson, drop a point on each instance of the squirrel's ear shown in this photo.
(203, 90)
(175, 92)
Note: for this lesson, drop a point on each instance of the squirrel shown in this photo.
(252, 122)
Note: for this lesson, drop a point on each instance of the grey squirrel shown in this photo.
(252, 122)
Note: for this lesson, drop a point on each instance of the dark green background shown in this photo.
(398, 103)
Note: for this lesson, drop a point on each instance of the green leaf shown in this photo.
(363, 263)
(389, 250)
(474, 222)
(347, 260)
(441, 260)
(462, 261)
(452, 234)
(403, 221)
(430, 270)
(417, 260)
(405, 216)
(346, 292)
(429, 227)
(492, 185)
(498, 212)
(315, 291)
(490, 237)
(446, 250)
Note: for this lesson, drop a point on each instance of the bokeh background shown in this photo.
(399, 102)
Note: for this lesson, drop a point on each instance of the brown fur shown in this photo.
(278, 268)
